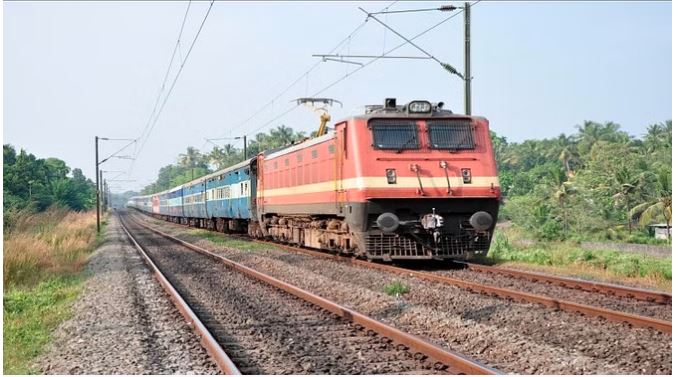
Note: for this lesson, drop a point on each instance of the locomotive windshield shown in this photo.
(450, 134)
(394, 134)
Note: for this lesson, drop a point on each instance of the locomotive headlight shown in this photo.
(481, 221)
(466, 175)
(391, 177)
(418, 107)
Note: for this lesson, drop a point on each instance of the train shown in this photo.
(395, 182)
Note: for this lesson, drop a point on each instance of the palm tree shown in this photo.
(589, 134)
(216, 157)
(563, 150)
(659, 206)
(627, 186)
(191, 159)
(658, 136)
(565, 190)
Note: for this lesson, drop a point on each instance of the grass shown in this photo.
(43, 258)
(396, 288)
(226, 241)
(42, 245)
(30, 316)
(634, 268)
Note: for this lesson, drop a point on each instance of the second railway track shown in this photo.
(612, 314)
(273, 328)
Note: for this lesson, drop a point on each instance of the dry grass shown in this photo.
(51, 243)
(43, 258)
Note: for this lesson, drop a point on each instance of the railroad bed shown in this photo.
(511, 334)
(637, 307)
(575, 293)
(265, 330)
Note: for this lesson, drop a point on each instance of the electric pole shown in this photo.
(101, 183)
(105, 195)
(244, 145)
(96, 157)
(467, 57)
(99, 173)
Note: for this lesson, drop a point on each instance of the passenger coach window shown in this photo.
(451, 134)
(394, 134)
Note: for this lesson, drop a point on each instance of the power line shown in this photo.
(169, 66)
(176, 78)
(448, 67)
(305, 74)
(362, 67)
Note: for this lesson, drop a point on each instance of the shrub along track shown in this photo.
(513, 336)
(277, 328)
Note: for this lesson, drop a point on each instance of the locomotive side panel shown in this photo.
(300, 180)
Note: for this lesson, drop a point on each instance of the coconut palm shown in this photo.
(192, 159)
(627, 186)
(657, 207)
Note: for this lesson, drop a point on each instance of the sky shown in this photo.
(76, 70)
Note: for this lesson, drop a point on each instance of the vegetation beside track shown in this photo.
(598, 184)
(567, 258)
(43, 260)
(396, 288)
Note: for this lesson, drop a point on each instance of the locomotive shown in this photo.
(412, 181)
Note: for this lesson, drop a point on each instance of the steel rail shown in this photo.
(597, 287)
(569, 306)
(455, 362)
(206, 339)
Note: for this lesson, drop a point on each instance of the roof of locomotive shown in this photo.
(273, 153)
(400, 111)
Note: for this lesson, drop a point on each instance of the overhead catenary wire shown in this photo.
(365, 65)
(304, 75)
(167, 71)
(444, 65)
(118, 151)
(176, 78)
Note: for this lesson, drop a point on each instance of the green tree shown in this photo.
(659, 206)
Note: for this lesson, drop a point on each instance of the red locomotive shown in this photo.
(397, 182)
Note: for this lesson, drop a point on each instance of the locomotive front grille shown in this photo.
(393, 246)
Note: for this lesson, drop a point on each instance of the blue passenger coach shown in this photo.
(223, 200)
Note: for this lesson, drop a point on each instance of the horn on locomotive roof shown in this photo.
(322, 110)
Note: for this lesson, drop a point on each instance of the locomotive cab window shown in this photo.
(451, 134)
(394, 134)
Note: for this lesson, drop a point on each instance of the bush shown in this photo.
(396, 288)
(573, 257)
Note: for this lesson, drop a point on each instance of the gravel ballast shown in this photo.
(513, 337)
(123, 323)
(624, 304)
(267, 331)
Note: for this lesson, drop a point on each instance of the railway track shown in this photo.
(570, 306)
(551, 302)
(589, 286)
(250, 322)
